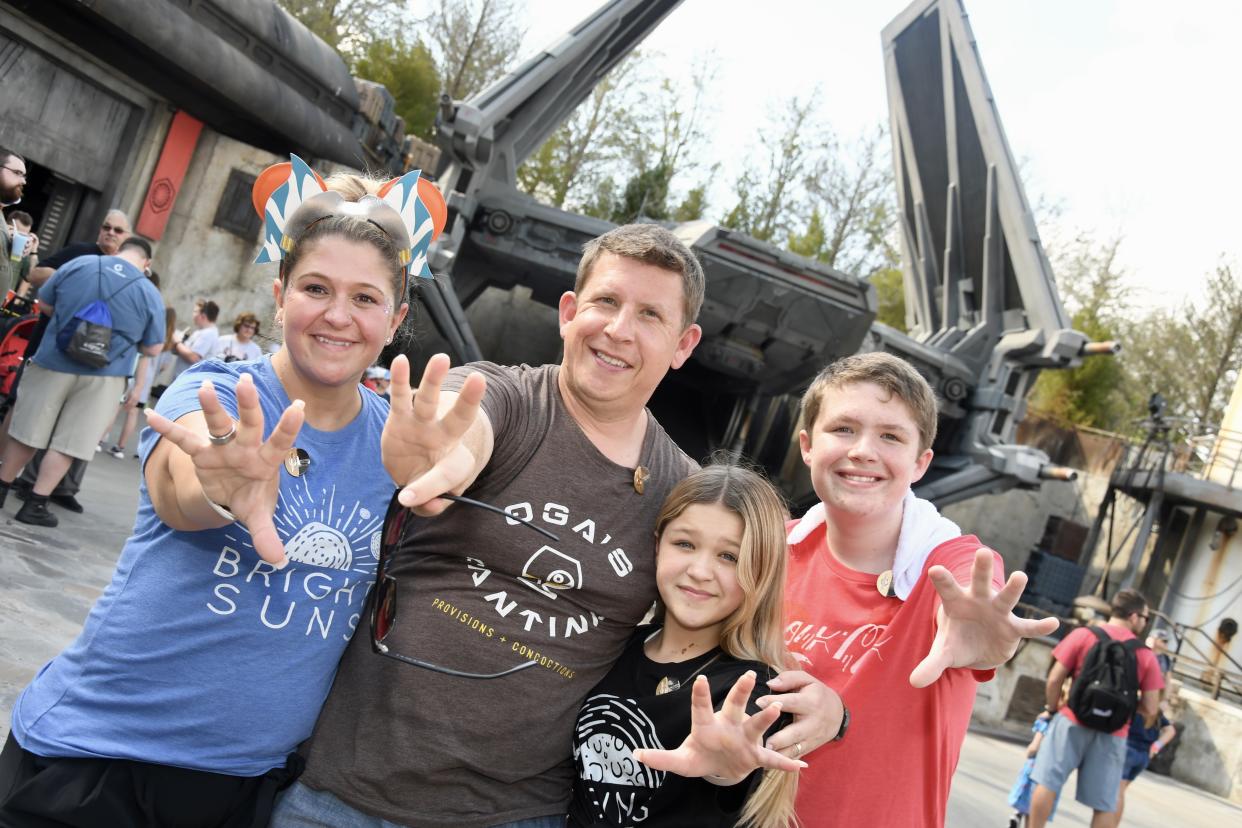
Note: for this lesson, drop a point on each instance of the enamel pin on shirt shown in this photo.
(884, 584)
(641, 476)
(297, 461)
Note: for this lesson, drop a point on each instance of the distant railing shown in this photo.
(1179, 445)
(1223, 451)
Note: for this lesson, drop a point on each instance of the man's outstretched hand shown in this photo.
(422, 447)
(976, 627)
(724, 746)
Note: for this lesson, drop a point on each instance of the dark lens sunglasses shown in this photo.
(384, 597)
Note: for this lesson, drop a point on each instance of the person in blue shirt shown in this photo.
(65, 404)
(207, 658)
(1146, 738)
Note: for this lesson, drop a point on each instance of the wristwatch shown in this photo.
(845, 723)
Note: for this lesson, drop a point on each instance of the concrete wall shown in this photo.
(195, 259)
(1209, 754)
(1013, 522)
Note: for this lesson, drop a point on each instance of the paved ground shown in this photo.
(50, 577)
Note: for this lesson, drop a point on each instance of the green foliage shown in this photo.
(475, 42)
(1191, 354)
(1099, 392)
(890, 298)
(349, 25)
(693, 206)
(409, 74)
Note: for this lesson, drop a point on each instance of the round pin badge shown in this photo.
(297, 461)
(884, 584)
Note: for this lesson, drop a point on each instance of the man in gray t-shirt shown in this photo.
(573, 449)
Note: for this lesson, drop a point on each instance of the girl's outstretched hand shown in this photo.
(724, 746)
(976, 627)
(242, 475)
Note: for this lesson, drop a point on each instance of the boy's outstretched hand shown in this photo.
(976, 627)
(724, 746)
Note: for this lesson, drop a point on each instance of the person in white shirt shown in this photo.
(240, 345)
(201, 342)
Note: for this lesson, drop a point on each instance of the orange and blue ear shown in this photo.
(278, 191)
(423, 212)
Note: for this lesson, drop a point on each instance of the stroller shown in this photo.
(18, 320)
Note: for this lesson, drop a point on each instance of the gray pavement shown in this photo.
(49, 578)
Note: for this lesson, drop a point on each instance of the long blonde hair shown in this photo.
(755, 630)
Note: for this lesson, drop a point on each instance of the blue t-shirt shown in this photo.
(1141, 737)
(137, 312)
(201, 655)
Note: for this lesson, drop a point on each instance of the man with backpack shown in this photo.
(1114, 675)
(101, 308)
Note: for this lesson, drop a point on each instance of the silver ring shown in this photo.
(223, 438)
(797, 749)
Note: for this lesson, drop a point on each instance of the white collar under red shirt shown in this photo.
(923, 528)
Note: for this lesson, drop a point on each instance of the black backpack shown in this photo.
(1105, 693)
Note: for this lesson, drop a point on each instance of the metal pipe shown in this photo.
(1108, 347)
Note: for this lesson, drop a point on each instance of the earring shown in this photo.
(388, 341)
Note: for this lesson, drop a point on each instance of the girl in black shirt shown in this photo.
(672, 736)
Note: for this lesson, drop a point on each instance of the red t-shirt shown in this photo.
(895, 763)
(1074, 647)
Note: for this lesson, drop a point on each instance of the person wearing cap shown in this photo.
(378, 379)
(206, 660)
(1158, 642)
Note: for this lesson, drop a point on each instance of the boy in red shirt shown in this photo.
(875, 606)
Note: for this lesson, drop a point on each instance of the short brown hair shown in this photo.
(653, 245)
(246, 318)
(893, 374)
(1127, 602)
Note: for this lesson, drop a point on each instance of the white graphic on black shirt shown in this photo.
(609, 730)
(549, 570)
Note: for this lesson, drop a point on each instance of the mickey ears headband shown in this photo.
(290, 197)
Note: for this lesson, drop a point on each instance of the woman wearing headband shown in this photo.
(207, 658)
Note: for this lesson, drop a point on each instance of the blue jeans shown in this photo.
(303, 807)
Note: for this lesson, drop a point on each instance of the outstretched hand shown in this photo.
(724, 746)
(976, 628)
(422, 448)
(243, 474)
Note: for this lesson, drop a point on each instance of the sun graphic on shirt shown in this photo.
(320, 529)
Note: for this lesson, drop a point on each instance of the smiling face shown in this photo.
(338, 311)
(623, 331)
(863, 452)
(696, 569)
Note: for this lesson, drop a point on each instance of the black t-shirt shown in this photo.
(622, 714)
(70, 252)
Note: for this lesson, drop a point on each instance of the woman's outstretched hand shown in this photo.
(243, 474)
(724, 746)
(422, 446)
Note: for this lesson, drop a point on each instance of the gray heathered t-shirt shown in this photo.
(480, 593)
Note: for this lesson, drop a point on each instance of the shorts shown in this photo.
(64, 412)
(37, 790)
(1097, 756)
(1136, 763)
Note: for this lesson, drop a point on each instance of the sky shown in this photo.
(1117, 110)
